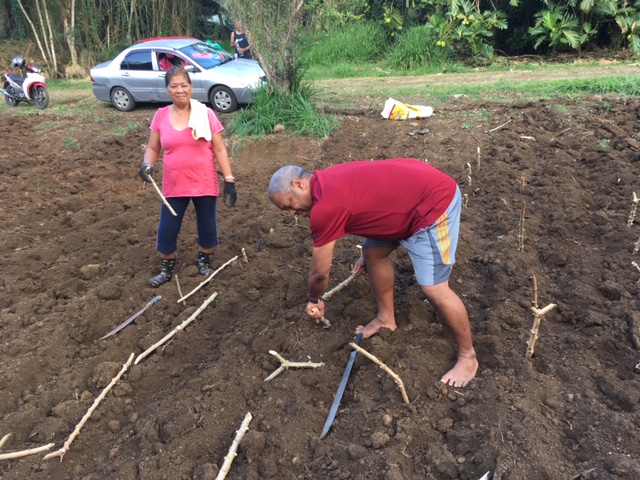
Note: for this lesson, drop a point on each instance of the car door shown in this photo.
(138, 76)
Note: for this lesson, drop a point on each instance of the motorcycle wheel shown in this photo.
(12, 102)
(41, 98)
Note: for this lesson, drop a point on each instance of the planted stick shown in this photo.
(535, 290)
(469, 174)
(182, 326)
(378, 362)
(65, 448)
(538, 314)
(4, 439)
(333, 291)
(636, 247)
(207, 280)
(285, 364)
(226, 465)
(179, 289)
(164, 200)
(24, 453)
(479, 160)
(521, 234)
(636, 265)
(325, 322)
(499, 127)
(634, 209)
(244, 255)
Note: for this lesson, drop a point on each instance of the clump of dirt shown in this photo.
(77, 250)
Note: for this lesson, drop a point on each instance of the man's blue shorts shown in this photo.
(432, 249)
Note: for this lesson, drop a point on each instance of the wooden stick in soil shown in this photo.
(24, 453)
(179, 289)
(164, 200)
(378, 362)
(226, 465)
(182, 326)
(330, 293)
(521, 235)
(4, 439)
(339, 287)
(326, 323)
(65, 448)
(636, 247)
(538, 314)
(634, 209)
(285, 364)
(207, 280)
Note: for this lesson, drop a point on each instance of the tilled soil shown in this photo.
(548, 189)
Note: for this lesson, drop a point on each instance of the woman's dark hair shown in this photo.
(174, 72)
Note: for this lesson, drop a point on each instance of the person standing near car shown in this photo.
(190, 135)
(240, 40)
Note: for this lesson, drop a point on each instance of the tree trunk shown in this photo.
(35, 32)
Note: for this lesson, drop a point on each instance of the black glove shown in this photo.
(230, 193)
(146, 172)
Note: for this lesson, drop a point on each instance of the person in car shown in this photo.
(240, 40)
(166, 61)
(389, 202)
(190, 135)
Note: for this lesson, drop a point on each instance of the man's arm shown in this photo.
(320, 269)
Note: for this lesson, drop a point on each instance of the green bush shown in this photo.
(292, 108)
(417, 48)
(357, 43)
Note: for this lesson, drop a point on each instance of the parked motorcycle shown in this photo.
(31, 87)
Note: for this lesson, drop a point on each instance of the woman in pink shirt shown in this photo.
(189, 172)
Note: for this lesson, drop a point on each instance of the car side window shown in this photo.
(137, 61)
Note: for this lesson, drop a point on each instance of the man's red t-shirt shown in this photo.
(383, 199)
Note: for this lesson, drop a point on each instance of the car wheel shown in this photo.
(41, 98)
(12, 102)
(122, 99)
(223, 100)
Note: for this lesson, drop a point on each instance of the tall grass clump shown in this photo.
(416, 49)
(292, 108)
(360, 42)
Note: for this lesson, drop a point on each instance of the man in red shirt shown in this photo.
(389, 202)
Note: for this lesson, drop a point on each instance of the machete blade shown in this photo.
(133, 317)
(341, 389)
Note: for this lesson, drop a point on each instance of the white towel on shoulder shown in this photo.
(199, 121)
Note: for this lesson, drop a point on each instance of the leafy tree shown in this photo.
(559, 26)
(273, 26)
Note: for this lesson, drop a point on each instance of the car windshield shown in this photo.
(205, 55)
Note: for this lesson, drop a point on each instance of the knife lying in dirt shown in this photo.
(133, 317)
(341, 389)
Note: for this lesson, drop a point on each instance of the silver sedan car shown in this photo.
(136, 75)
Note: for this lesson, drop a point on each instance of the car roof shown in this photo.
(167, 42)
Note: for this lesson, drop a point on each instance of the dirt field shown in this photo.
(77, 249)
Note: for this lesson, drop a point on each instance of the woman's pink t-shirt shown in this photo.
(188, 165)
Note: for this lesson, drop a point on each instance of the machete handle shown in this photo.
(155, 299)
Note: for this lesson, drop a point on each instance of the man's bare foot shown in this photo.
(371, 328)
(462, 372)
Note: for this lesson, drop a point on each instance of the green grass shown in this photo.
(416, 48)
(72, 143)
(295, 111)
(122, 130)
(354, 44)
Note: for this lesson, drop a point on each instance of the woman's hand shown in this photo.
(230, 193)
